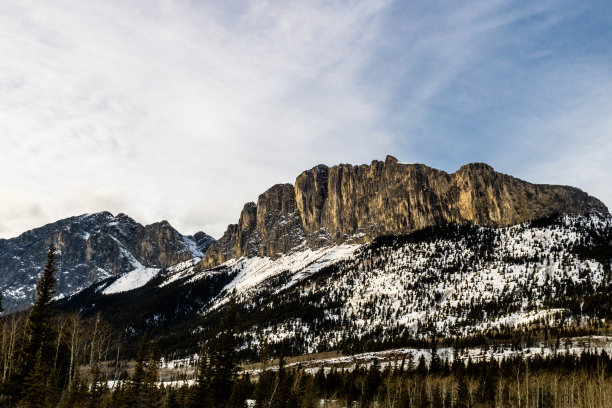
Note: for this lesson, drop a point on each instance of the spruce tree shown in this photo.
(242, 390)
(463, 393)
(136, 385)
(38, 351)
(223, 358)
(150, 390)
(436, 365)
(98, 387)
(199, 394)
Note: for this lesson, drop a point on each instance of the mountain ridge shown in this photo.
(91, 247)
(446, 280)
(346, 203)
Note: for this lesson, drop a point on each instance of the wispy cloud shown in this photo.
(185, 110)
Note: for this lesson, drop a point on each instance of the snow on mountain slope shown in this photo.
(253, 272)
(132, 280)
(447, 280)
(452, 280)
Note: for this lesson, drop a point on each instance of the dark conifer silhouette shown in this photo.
(38, 345)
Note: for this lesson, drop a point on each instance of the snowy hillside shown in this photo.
(448, 280)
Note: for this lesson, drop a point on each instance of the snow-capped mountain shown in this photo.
(91, 248)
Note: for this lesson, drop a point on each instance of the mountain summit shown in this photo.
(346, 203)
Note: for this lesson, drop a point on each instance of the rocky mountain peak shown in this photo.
(347, 203)
(91, 247)
(476, 167)
(390, 159)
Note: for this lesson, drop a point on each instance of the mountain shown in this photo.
(345, 203)
(91, 247)
(451, 280)
(367, 257)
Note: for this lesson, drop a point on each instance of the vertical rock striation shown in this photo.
(343, 203)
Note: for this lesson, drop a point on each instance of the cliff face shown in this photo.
(357, 203)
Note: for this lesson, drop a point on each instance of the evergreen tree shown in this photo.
(309, 397)
(149, 395)
(373, 380)
(436, 365)
(142, 390)
(98, 387)
(264, 389)
(135, 386)
(422, 367)
(77, 394)
(463, 393)
(223, 358)
(200, 394)
(38, 351)
(242, 390)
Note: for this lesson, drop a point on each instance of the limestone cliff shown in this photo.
(357, 203)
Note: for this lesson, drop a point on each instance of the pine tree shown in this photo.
(422, 367)
(436, 365)
(463, 393)
(151, 377)
(373, 380)
(38, 350)
(223, 358)
(76, 395)
(135, 386)
(98, 387)
(309, 397)
(200, 394)
(242, 390)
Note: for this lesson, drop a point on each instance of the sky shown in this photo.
(186, 110)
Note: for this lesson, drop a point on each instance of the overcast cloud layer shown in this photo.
(185, 110)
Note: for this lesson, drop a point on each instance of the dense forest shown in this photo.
(55, 359)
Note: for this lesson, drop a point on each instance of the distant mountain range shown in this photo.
(345, 256)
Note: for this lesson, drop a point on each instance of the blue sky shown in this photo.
(185, 110)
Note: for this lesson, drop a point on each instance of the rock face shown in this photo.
(357, 203)
(90, 248)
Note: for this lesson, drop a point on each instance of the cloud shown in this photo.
(186, 110)
(570, 143)
(177, 107)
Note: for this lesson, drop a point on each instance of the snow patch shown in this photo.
(132, 280)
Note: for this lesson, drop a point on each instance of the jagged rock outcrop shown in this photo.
(90, 247)
(345, 202)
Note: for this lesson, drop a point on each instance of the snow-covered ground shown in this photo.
(487, 279)
(574, 346)
(461, 282)
(252, 272)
